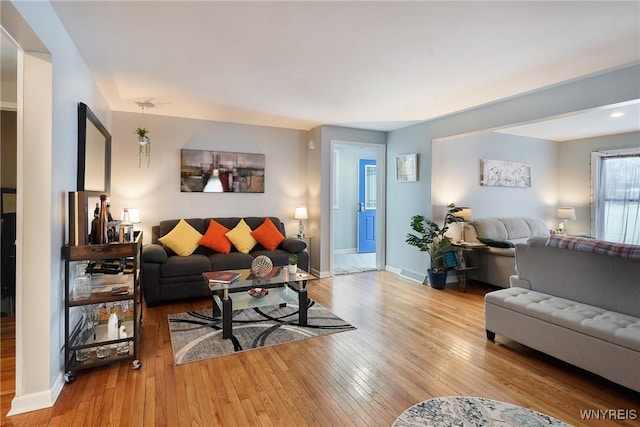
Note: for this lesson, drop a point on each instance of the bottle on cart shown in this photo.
(112, 325)
(109, 217)
(95, 224)
(126, 227)
(123, 347)
(102, 220)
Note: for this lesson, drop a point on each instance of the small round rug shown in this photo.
(472, 411)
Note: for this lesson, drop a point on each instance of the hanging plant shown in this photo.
(144, 145)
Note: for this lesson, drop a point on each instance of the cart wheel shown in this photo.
(136, 364)
(68, 377)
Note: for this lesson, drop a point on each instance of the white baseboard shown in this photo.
(320, 274)
(345, 251)
(36, 401)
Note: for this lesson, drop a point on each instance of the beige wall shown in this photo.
(155, 190)
(455, 176)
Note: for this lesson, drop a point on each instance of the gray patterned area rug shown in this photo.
(467, 411)
(196, 335)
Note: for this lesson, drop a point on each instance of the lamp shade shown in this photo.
(301, 213)
(566, 213)
(134, 215)
(466, 213)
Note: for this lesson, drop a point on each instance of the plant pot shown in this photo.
(293, 268)
(143, 140)
(438, 279)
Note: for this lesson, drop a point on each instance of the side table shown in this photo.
(462, 268)
(307, 240)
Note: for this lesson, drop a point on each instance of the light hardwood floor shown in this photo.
(412, 343)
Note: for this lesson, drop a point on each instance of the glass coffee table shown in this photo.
(244, 292)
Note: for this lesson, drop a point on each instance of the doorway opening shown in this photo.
(357, 184)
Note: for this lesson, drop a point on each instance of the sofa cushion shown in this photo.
(182, 239)
(185, 266)
(517, 228)
(215, 238)
(491, 228)
(167, 225)
(597, 322)
(230, 261)
(241, 237)
(268, 235)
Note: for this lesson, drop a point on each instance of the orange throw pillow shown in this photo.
(268, 235)
(215, 238)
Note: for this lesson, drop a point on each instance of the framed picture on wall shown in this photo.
(407, 168)
(502, 173)
(207, 171)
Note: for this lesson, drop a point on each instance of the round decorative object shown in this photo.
(261, 265)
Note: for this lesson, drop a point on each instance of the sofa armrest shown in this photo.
(154, 253)
(293, 246)
(517, 282)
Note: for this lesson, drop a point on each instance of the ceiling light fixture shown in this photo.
(617, 114)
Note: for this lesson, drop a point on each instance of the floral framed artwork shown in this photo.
(504, 173)
(407, 168)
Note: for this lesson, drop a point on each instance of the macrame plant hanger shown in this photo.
(144, 143)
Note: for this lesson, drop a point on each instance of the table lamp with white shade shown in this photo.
(300, 214)
(565, 213)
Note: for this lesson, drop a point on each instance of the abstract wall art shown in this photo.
(221, 172)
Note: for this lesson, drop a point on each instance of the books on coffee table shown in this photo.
(222, 277)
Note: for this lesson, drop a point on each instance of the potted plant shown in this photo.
(293, 263)
(431, 238)
(143, 135)
(144, 147)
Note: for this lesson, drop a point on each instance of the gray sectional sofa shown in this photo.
(168, 277)
(497, 264)
(578, 302)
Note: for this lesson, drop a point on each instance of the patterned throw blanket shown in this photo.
(621, 250)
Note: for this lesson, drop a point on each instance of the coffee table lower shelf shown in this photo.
(242, 300)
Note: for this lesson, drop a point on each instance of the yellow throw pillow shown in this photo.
(183, 239)
(241, 237)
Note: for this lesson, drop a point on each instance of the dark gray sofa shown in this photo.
(168, 277)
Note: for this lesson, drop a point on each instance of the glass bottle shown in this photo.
(112, 229)
(109, 217)
(127, 227)
(102, 220)
(93, 238)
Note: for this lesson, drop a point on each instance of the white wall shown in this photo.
(574, 174)
(55, 78)
(155, 190)
(455, 176)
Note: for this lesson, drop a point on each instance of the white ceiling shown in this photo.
(585, 124)
(376, 65)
